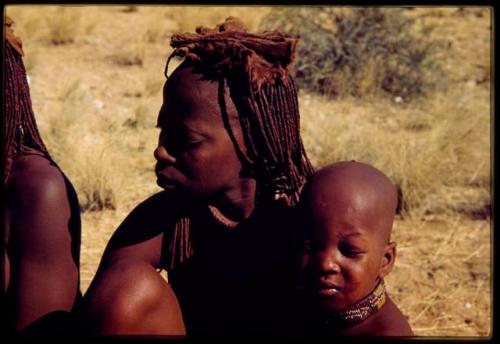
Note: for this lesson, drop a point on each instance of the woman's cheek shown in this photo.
(189, 164)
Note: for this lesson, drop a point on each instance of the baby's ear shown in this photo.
(388, 259)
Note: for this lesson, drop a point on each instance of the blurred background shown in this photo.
(406, 89)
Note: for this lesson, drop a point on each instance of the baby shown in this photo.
(347, 211)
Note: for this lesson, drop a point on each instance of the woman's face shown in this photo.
(195, 152)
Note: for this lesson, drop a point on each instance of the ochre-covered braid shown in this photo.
(19, 122)
(256, 70)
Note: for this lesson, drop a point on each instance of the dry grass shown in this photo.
(442, 276)
(63, 25)
(418, 146)
(189, 18)
(97, 117)
(130, 54)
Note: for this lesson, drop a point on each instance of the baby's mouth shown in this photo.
(327, 289)
(327, 292)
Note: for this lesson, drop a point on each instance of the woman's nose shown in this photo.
(162, 155)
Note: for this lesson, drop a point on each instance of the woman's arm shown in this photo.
(127, 295)
(43, 270)
(140, 236)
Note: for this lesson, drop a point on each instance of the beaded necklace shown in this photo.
(221, 219)
(361, 310)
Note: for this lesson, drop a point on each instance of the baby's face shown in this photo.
(344, 252)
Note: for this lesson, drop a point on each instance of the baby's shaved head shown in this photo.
(351, 186)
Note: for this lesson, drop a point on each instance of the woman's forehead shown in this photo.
(190, 92)
(184, 92)
(187, 82)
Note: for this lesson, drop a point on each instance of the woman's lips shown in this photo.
(165, 182)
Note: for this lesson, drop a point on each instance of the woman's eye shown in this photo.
(192, 143)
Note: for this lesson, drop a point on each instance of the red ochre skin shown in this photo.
(346, 219)
(42, 247)
(220, 145)
(232, 269)
(42, 219)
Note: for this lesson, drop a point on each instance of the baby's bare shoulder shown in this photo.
(388, 322)
(392, 322)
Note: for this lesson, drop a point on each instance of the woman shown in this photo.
(42, 216)
(232, 164)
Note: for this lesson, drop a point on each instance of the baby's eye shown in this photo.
(312, 246)
(351, 251)
(306, 247)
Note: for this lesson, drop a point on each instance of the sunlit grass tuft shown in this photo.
(130, 53)
(191, 17)
(425, 150)
(64, 25)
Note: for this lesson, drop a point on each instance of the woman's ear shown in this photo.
(388, 259)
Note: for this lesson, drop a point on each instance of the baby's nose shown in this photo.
(161, 155)
(328, 263)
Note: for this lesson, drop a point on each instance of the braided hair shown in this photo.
(19, 122)
(254, 67)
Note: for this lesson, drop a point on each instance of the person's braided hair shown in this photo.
(255, 68)
(19, 122)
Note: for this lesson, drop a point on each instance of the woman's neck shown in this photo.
(237, 203)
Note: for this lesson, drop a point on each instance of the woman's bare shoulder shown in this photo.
(164, 204)
(153, 216)
(36, 179)
(143, 231)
